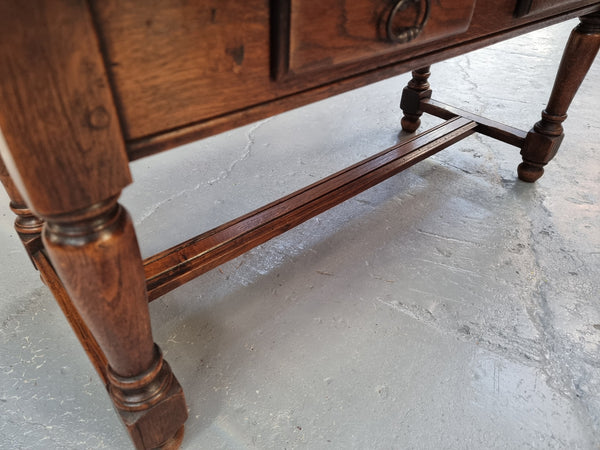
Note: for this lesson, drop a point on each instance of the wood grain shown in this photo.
(326, 34)
(492, 22)
(66, 136)
(172, 60)
(95, 253)
(496, 130)
(85, 337)
(537, 6)
(525, 7)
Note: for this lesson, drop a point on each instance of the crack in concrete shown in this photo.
(466, 76)
(246, 152)
(149, 211)
(525, 351)
(416, 312)
(451, 239)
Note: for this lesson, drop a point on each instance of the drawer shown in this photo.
(319, 34)
(175, 62)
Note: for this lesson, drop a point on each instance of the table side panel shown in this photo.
(175, 62)
(207, 65)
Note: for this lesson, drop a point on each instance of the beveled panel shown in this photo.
(325, 34)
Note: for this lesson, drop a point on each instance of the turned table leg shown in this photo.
(29, 228)
(417, 89)
(64, 150)
(543, 141)
(27, 225)
(95, 253)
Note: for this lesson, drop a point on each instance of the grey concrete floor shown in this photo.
(451, 307)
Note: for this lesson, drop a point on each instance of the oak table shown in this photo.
(88, 86)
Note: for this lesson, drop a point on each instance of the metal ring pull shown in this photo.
(406, 34)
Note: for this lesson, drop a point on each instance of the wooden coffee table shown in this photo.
(87, 87)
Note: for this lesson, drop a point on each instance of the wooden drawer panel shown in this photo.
(323, 34)
(178, 64)
(174, 62)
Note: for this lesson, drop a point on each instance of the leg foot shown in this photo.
(175, 442)
(95, 252)
(416, 90)
(543, 141)
(529, 173)
(151, 405)
(410, 123)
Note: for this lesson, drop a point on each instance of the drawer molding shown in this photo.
(311, 36)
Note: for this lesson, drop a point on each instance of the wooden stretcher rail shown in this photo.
(491, 128)
(181, 263)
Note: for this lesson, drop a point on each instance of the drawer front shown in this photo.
(174, 62)
(322, 34)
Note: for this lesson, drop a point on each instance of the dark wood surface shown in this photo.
(67, 164)
(52, 73)
(86, 338)
(176, 78)
(491, 128)
(172, 60)
(323, 35)
(86, 86)
(544, 139)
(417, 90)
(297, 91)
(525, 7)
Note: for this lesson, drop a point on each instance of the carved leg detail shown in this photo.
(416, 90)
(28, 226)
(107, 293)
(543, 141)
(151, 405)
(70, 171)
(96, 255)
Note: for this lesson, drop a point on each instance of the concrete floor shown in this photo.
(451, 307)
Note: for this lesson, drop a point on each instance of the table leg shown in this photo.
(63, 147)
(29, 228)
(416, 90)
(543, 141)
(96, 255)
(27, 225)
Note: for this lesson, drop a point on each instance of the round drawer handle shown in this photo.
(406, 34)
